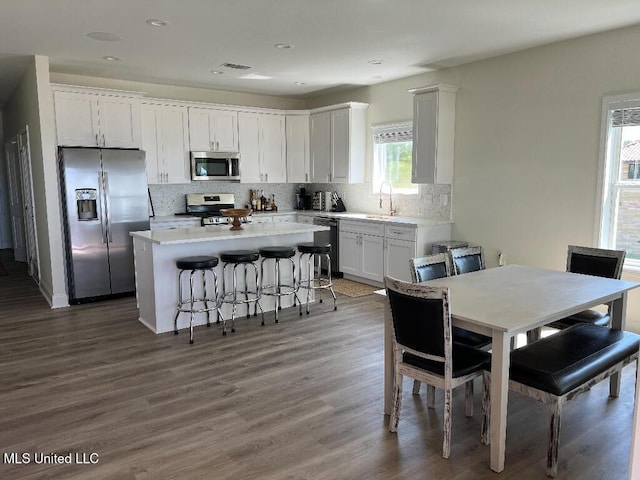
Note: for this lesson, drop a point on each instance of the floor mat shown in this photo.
(351, 288)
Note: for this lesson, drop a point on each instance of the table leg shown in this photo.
(388, 359)
(618, 317)
(499, 395)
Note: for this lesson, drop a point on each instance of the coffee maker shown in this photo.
(303, 200)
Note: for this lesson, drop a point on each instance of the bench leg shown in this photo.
(554, 438)
(485, 436)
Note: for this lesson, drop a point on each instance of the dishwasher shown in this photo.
(330, 236)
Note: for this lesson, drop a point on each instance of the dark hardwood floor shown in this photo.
(298, 400)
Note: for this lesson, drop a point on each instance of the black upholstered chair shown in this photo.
(597, 262)
(423, 350)
(432, 267)
(465, 260)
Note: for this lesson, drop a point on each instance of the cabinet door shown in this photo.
(273, 164)
(340, 145)
(350, 253)
(372, 257)
(200, 129)
(249, 143)
(76, 119)
(119, 122)
(396, 258)
(320, 161)
(174, 144)
(149, 143)
(297, 129)
(225, 130)
(425, 125)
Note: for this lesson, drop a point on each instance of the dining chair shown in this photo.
(598, 262)
(423, 350)
(465, 260)
(432, 267)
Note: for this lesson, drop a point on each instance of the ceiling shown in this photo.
(333, 41)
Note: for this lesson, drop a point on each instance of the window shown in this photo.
(620, 215)
(392, 150)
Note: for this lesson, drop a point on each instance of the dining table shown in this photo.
(505, 301)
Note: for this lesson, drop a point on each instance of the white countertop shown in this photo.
(218, 232)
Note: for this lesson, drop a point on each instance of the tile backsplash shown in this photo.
(433, 201)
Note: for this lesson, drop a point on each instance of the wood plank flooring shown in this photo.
(298, 400)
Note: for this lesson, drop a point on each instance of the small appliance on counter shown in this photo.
(318, 201)
(208, 207)
(303, 200)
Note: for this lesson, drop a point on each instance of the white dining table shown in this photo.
(505, 301)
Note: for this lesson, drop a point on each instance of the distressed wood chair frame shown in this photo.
(556, 403)
(446, 382)
(464, 252)
(416, 263)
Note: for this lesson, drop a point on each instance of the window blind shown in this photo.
(625, 117)
(392, 133)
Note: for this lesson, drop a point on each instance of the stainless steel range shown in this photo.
(207, 206)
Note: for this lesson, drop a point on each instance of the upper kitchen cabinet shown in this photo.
(97, 118)
(297, 133)
(338, 135)
(213, 130)
(434, 113)
(165, 139)
(262, 147)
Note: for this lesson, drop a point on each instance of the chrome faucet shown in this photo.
(392, 210)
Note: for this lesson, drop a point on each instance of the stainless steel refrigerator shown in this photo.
(104, 197)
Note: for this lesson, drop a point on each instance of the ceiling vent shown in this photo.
(237, 66)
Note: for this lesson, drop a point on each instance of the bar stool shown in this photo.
(204, 265)
(316, 252)
(234, 259)
(278, 289)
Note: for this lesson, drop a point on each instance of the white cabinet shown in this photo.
(213, 130)
(165, 139)
(434, 110)
(262, 148)
(362, 249)
(337, 143)
(400, 245)
(96, 118)
(297, 133)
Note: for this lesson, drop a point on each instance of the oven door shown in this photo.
(215, 166)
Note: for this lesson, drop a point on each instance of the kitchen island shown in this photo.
(156, 252)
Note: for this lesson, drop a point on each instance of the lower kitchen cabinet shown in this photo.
(370, 250)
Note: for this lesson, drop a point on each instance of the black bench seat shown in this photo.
(559, 367)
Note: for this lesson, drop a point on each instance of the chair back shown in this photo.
(598, 262)
(421, 319)
(429, 267)
(465, 260)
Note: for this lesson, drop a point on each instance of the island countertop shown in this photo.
(218, 232)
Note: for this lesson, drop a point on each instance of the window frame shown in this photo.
(376, 180)
(609, 183)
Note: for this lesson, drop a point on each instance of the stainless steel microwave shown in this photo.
(215, 166)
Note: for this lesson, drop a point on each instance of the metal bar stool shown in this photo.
(316, 252)
(234, 259)
(278, 289)
(193, 305)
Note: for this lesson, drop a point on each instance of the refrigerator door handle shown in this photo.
(107, 206)
(103, 224)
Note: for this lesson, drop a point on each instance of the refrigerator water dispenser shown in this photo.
(86, 201)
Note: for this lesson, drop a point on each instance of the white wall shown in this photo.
(527, 143)
(32, 104)
(6, 240)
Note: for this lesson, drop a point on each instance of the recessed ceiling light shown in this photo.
(375, 62)
(156, 22)
(255, 76)
(299, 83)
(103, 36)
(283, 46)
(112, 58)
(217, 72)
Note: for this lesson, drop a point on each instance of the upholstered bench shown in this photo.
(559, 367)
